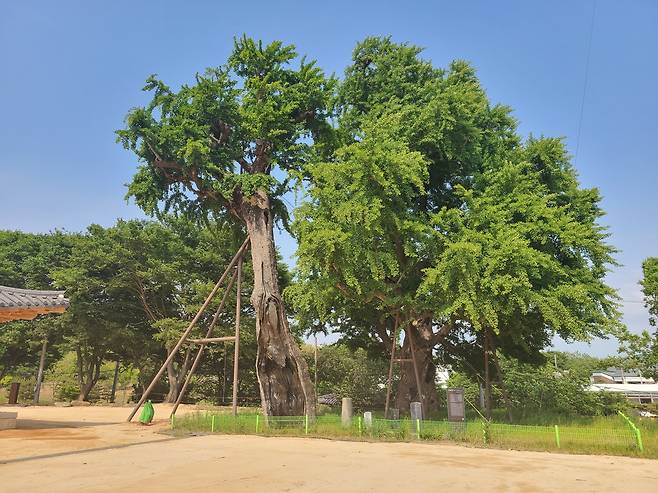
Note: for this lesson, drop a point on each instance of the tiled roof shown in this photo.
(618, 372)
(25, 304)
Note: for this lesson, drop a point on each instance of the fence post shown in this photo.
(359, 425)
(306, 424)
(173, 421)
(212, 424)
(557, 436)
(638, 435)
(418, 428)
(257, 419)
(485, 431)
(346, 412)
(636, 431)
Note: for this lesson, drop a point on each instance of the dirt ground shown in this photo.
(93, 449)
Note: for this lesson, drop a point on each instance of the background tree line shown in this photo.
(132, 287)
(425, 220)
(131, 292)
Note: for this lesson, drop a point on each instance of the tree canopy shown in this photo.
(210, 146)
(641, 350)
(435, 215)
(650, 288)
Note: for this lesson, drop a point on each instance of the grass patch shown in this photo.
(607, 435)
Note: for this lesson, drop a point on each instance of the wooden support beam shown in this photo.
(394, 343)
(412, 346)
(236, 354)
(185, 335)
(210, 340)
(202, 346)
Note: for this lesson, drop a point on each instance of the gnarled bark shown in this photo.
(283, 376)
(176, 376)
(89, 371)
(424, 342)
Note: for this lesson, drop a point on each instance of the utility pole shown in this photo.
(42, 364)
(315, 369)
(114, 382)
(487, 378)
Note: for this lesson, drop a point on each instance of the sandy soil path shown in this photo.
(256, 464)
(46, 430)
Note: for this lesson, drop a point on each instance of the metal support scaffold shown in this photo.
(185, 339)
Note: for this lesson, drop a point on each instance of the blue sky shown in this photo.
(69, 71)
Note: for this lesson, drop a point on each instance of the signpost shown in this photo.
(456, 407)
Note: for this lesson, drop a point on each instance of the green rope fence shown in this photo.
(636, 431)
(616, 436)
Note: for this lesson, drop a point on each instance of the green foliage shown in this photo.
(410, 133)
(650, 287)
(554, 389)
(433, 208)
(211, 145)
(349, 373)
(133, 288)
(518, 257)
(100, 321)
(447, 116)
(578, 366)
(26, 261)
(641, 350)
(356, 219)
(20, 347)
(541, 389)
(471, 389)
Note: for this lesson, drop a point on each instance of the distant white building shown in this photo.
(619, 376)
(629, 383)
(640, 394)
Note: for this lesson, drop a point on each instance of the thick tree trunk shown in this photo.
(172, 379)
(176, 377)
(115, 380)
(42, 365)
(88, 374)
(407, 388)
(283, 376)
(501, 383)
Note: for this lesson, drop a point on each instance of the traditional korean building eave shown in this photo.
(26, 304)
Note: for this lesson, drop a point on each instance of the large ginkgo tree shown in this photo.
(230, 145)
(434, 216)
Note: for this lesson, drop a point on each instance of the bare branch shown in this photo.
(167, 165)
(262, 158)
(245, 165)
(442, 333)
(157, 156)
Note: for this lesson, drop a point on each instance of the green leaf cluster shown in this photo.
(209, 145)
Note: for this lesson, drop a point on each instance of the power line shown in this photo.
(582, 99)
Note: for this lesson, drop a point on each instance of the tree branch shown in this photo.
(245, 165)
(261, 159)
(157, 156)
